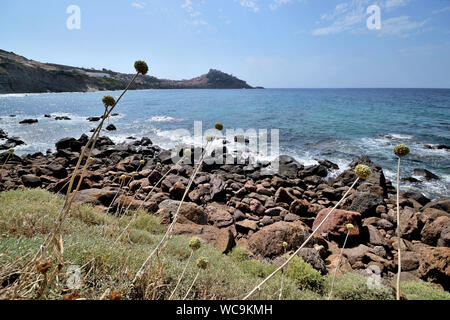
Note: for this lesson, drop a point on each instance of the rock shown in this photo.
(102, 197)
(31, 181)
(440, 204)
(217, 189)
(93, 119)
(28, 121)
(424, 173)
(275, 211)
(299, 207)
(111, 127)
(154, 177)
(290, 217)
(410, 260)
(287, 166)
(177, 190)
(335, 225)
(409, 224)
(189, 212)
(221, 239)
(316, 170)
(366, 203)
(435, 265)
(375, 237)
(58, 171)
(283, 196)
(328, 164)
(219, 215)
(3, 134)
(68, 143)
(201, 194)
(419, 197)
(356, 254)
(268, 241)
(444, 239)
(245, 225)
(62, 118)
(256, 207)
(312, 256)
(431, 232)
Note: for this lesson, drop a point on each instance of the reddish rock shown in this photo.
(432, 230)
(189, 212)
(256, 207)
(177, 191)
(284, 196)
(336, 223)
(268, 241)
(245, 225)
(299, 207)
(221, 239)
(219, 215)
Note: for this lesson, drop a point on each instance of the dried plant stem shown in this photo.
(175, 218)
(399, 240)
(3, 165)
(182, 275)
(192, 285)
(258, 287)
(115, 196)
(338, 264)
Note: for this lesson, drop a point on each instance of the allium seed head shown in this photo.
(401, 150)
(202, 263)
(108, 101)
(141, 67)
(218, 126)
(187, 152)
(350, 226)
(11, 151)
(209, 138)
(141, 162)
(134, 173)
(285, 244)
(123, 177)
(362, 171)
(158, 164)
(195, 243)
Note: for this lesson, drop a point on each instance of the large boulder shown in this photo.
(335, 225)
(31, 181)
(284, 196)
(102, 197)
(440, 204)
(219, 215)
(435, 265)
(189, 212)
(366, 203)
(268, 242)
(432, 230)
(312, 256)
(221, 239)
(288, 167)
(68, 143)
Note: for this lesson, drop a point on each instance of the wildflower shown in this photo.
(362, 171)
(401, 150)
(141, 67)
(11, 151)
(158, 164)
(218, 126)
(108, 101)
(195, 243)
(209, 138)
(202, 263)
(141, 162)
(285, 244)
(134, 173)
(187, 152)
(349, 226)
(123, 177)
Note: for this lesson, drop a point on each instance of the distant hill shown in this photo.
(21, 75)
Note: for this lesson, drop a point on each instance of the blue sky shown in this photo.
(272, 43)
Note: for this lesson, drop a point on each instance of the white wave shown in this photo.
(397, 136)
(162, 119)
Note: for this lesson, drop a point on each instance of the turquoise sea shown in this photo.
(333, 124)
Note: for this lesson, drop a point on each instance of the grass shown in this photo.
(26, 217)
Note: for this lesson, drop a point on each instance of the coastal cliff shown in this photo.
(21, 75)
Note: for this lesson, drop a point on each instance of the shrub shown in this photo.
(239, 254)
(352, 286)
(419, 290)
(305, 276)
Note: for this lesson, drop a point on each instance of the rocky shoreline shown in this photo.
(240, 205)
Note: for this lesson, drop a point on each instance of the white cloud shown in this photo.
(389, 4)
(139, 5)
(278, 3)
(250, 4)
(199, 23)
(187, 5)
(441, 10)
(401, 26)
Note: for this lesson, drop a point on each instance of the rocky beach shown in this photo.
(241, 205)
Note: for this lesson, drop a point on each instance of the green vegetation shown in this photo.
(26, 218)
(419, 290)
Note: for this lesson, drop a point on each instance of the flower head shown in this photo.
(123, 177)
(134, 173)
(141, 67)
(141, 162)
(108, 101)
(195, 243)
(362, 171)
(11, 151)
(209, 138)
(158, 164)
(218, 126)
(202, 263)
(285, 244)
(349, 226)
(401, 150)
(187, 152)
